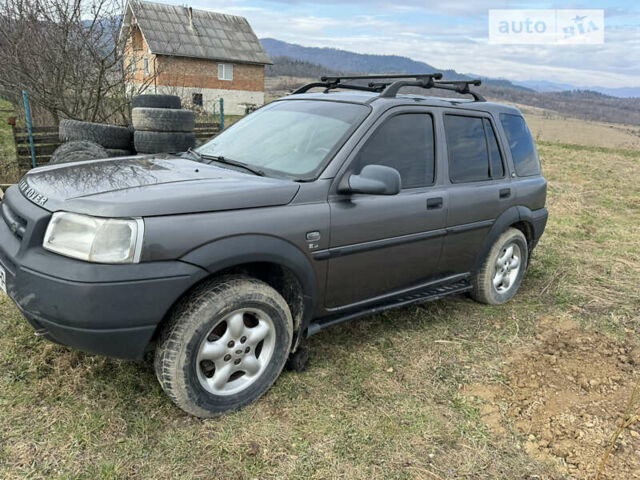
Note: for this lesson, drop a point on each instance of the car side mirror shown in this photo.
(374, 180)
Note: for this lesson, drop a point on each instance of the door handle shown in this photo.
(434, 203)
(505, 193)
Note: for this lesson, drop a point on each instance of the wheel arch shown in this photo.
(274, 261)
(515, 217)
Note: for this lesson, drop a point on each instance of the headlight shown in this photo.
(94, 239)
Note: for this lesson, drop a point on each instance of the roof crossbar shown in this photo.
(380, 76)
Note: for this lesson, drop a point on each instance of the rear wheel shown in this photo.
(224, 346)
(501, 274)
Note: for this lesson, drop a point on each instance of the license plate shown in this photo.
(3, 280)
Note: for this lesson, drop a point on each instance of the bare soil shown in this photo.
(565, 393)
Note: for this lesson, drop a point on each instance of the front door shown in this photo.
(380, 244)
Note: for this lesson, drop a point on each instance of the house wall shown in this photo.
(185, 76)
(234, 100)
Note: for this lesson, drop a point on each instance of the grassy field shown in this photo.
(447, 390)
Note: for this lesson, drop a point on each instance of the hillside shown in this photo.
(344, 61)
(288, 73)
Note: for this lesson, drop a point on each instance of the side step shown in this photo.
(427, 294)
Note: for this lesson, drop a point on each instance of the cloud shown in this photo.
(448, 35)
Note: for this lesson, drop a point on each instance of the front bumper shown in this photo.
(110, 310)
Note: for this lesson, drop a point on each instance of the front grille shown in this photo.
(15, 222)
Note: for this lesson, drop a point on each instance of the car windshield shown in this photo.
(294, 137)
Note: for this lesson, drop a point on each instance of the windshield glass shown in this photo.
(292, 137)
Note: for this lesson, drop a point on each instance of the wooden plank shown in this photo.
(25, 162)
(36, 130)
(207, 125)
(44, 149)
(46, 138)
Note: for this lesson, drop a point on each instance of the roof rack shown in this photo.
(391, 89)
(333, 82)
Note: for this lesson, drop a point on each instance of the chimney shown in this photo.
(191, 17)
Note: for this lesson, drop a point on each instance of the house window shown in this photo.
(146, 66)
(196, 99)
(225, 71)
(132, 66)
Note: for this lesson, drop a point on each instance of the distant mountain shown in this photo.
(344, 61)
(543, 86)
(621, 92)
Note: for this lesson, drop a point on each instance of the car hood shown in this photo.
(149, 186)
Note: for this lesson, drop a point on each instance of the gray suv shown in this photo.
(316, 209)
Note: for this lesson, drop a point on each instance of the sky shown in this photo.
(449, 34)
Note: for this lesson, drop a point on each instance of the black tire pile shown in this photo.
(90, 141)
(159, 126)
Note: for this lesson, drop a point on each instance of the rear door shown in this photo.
(479, 188)
(380, 243)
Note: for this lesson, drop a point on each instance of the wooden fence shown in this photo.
(46, 140)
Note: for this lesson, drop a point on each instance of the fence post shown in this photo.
(27, 111)
(221, 114)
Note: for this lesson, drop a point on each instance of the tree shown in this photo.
(67, 55)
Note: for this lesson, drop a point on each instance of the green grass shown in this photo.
(383, 397)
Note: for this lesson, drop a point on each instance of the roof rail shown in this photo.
(391, 89)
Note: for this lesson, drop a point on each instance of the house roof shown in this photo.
(169, 30)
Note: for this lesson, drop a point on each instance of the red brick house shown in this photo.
(200, 55)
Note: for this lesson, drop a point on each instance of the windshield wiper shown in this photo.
(220, 159)
(235, 163)
(198, 155)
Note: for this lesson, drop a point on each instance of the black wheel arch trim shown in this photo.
(229, 252)
(536, 219)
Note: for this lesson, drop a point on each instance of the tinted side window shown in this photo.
(497, 166)
(467, 147)
(404, 142)
(523, 150)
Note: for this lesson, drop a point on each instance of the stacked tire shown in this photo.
(160, 125)
(91, 141)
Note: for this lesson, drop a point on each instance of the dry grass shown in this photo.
(383, 397)
(8, 166)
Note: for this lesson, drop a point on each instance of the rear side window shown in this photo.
(473, 150)
(497, 165)
(404, 142)
(523, 150)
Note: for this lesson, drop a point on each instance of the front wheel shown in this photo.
(501, 274)
(224, 346)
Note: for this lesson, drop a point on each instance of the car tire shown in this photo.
(223, 326)
(163, 120)
(163, 142)
(109, 136)
(156, 101)
(77, 151)
(502, 271)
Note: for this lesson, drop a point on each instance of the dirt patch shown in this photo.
(566, 393)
